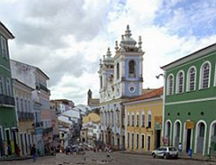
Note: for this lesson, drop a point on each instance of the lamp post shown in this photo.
(163, 114)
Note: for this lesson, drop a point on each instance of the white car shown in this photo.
(165, 152)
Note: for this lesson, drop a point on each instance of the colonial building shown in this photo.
(190, 101)
(120, 79)
(90, 132)
(35, 78)
(62, 105)
(144, 121)
(25, 114)
(8, 122)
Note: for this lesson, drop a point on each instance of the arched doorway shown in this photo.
(200, 135)
(212, 137)
(177, 133)
(168, 133)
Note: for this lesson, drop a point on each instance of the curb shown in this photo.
(184, 158)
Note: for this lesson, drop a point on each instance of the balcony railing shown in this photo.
(6, 100)
(25, 116)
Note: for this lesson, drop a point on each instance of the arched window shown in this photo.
(191, 85)
(205, 75)
(117, 69)
(132, 68)
(180, 82)
(170, 85)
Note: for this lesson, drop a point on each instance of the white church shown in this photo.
(120, 79)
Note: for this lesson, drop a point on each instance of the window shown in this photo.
(138, 120)
(17, 104)
(170, 85)
(1, 85)
(118, 72)
(143, 120)
(4, 50)
(180, 82)
(205, 75)
(132, 120)
(21, 104)
(201, 130)
(132, 68)
(128, 122)
(101, 82)
(191, 86)
(128, 140)
(149, 120)
(137, 145)
(8, 87)
(143, 140)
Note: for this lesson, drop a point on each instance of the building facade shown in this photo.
(120, 79)
(144, 121)
(25, 115)
(35, 78)
(190, 101)
(8, 122)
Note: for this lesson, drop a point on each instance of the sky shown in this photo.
(67, 38)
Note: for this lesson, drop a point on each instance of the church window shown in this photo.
(132, 65)
(118, 71)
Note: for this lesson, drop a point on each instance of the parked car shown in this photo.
(165, 152)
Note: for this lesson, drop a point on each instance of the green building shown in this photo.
(8, 122)
(190, 102)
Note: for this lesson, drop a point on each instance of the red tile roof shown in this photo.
(152, 94)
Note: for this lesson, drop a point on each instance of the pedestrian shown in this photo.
(180, 147)
(33, 152)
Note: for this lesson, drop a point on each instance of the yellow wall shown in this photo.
(156, 111)
(91, 117)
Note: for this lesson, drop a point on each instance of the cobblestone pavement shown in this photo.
(91, 158)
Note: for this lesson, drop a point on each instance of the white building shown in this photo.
(120, 78)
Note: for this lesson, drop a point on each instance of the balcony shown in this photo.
(41, 86)
(6, 100)
(23, 116)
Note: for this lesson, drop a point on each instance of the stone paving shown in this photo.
(100, 158)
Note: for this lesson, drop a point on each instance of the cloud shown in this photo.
(66, 38)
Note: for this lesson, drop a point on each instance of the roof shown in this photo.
(152, 94)
(38, 69)
(194, 55)
(6, 31)
(16, 80)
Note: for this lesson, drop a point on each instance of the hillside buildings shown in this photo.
(190, 101)
(120, 79)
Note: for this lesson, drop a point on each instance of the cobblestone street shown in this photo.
(92, 158)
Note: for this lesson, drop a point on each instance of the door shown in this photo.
(1, 143)
(188, 140)
(158, 135)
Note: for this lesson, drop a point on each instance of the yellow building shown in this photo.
(91, 117)
(144, 121)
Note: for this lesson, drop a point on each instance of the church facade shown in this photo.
(120, 79)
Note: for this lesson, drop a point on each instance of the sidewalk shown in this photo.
(197, 157)
(13, 157)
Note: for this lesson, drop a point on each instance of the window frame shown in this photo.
(178, 82)
(189, 79)
(168, 85)
(202, 74)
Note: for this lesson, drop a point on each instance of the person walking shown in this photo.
(33, 152)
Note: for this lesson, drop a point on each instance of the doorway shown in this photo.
(188, 142)
(158, 142)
